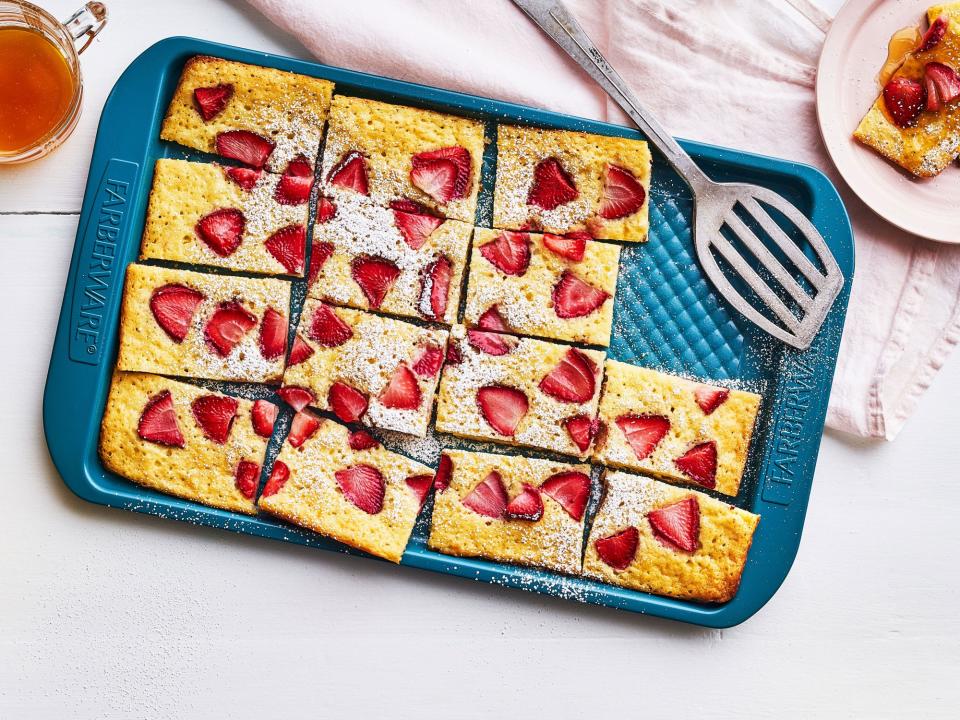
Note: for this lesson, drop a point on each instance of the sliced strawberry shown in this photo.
(304, 425)
(300, 352)
(214, 414)
(247, 478)
(502, 407)
(295, 184)
(364, 486)
(227, 326)
(492, 320)
(319, 254)
(904, 100)
(288, 246)
(402, 391)
(245, 177)
(442, 174)
(362, 440)
(934, 34)
(222, 230)
(552, 186)
(571, 489)
(622, 193)
(211, 101)
(699, 464)
(454, 354)
(573, 380)
(435, 288)
(643, 432)
(525, 506)
(346, 402)
(173, 307)
(441, 479)
(300, 166)
(263, 415)
(375, 276)
(351, 173)
(490, 342)
(273, 334)
(572, 297)
(429, 361)
(618, 550)
(677, 526)
(409, 206)
(571, 246)
(326, 210)
(489, 497)
(581, 429)
(278, 478)
(420, 485)
(709, 398)
(296, 397)
(247, 147)
(416, 229)
(158, 422)
(509, 252)
(942, 85)
(326, 327)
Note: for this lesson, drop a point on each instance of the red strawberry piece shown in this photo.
(295, 183)
(618, 550)
(429, 361)
(346, 402)
(572, 297)
(490, 342)
(363, 485)
(214, 414)
(402, 391)
(571, 489)
(304, 425)
(351, 173)
(273, 334)
(622, 193)
(441, 479)
(326, 210)
(509, 252)
(173, 307)
(709, 398)
(573, 380)
(362, 440)
(581, 429)
(934, 34)
(211, 101)
(245, 177)
(677, 526)
(492, 320)
(299, 166)
(289, 246)
(435, 288)
(326, 327)
(416, 228)
(420, 484)
(300, 351)
(699, 464)
(158, 421)
(502, 407)
(263, 416)
(222, 230)
(489, 497)
(942, 85)
(278, 478)
(227, 326)
(247, 147)
(442, 174)
(552, 186)
(904, 100)
(454, 354)
(375, 276)
(643, 432)
(319, 254)
(571, 246)
(525, 506)
(247, 478)
(409, 206)
(296, 397)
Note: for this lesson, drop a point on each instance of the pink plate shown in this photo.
(853, 53)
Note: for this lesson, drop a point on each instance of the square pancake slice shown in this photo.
(561, 181)
(367, 368)
(402, 263)
(218, 327)
(344, 485)
(259, 116)
(661, 539)
(674, 428)
(235, 218)
(509, 508)
(542, 285)
(403, 157)
(183, 440)
(519, 391)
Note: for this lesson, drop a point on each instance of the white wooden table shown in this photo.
(108, 614)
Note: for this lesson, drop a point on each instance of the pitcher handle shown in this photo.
(85, 23)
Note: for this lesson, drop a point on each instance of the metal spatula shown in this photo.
(715, 207)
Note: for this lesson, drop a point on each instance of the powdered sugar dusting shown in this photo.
(296, 129)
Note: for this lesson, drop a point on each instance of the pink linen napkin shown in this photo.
(738, 73)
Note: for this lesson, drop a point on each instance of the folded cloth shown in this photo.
(738, 73)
